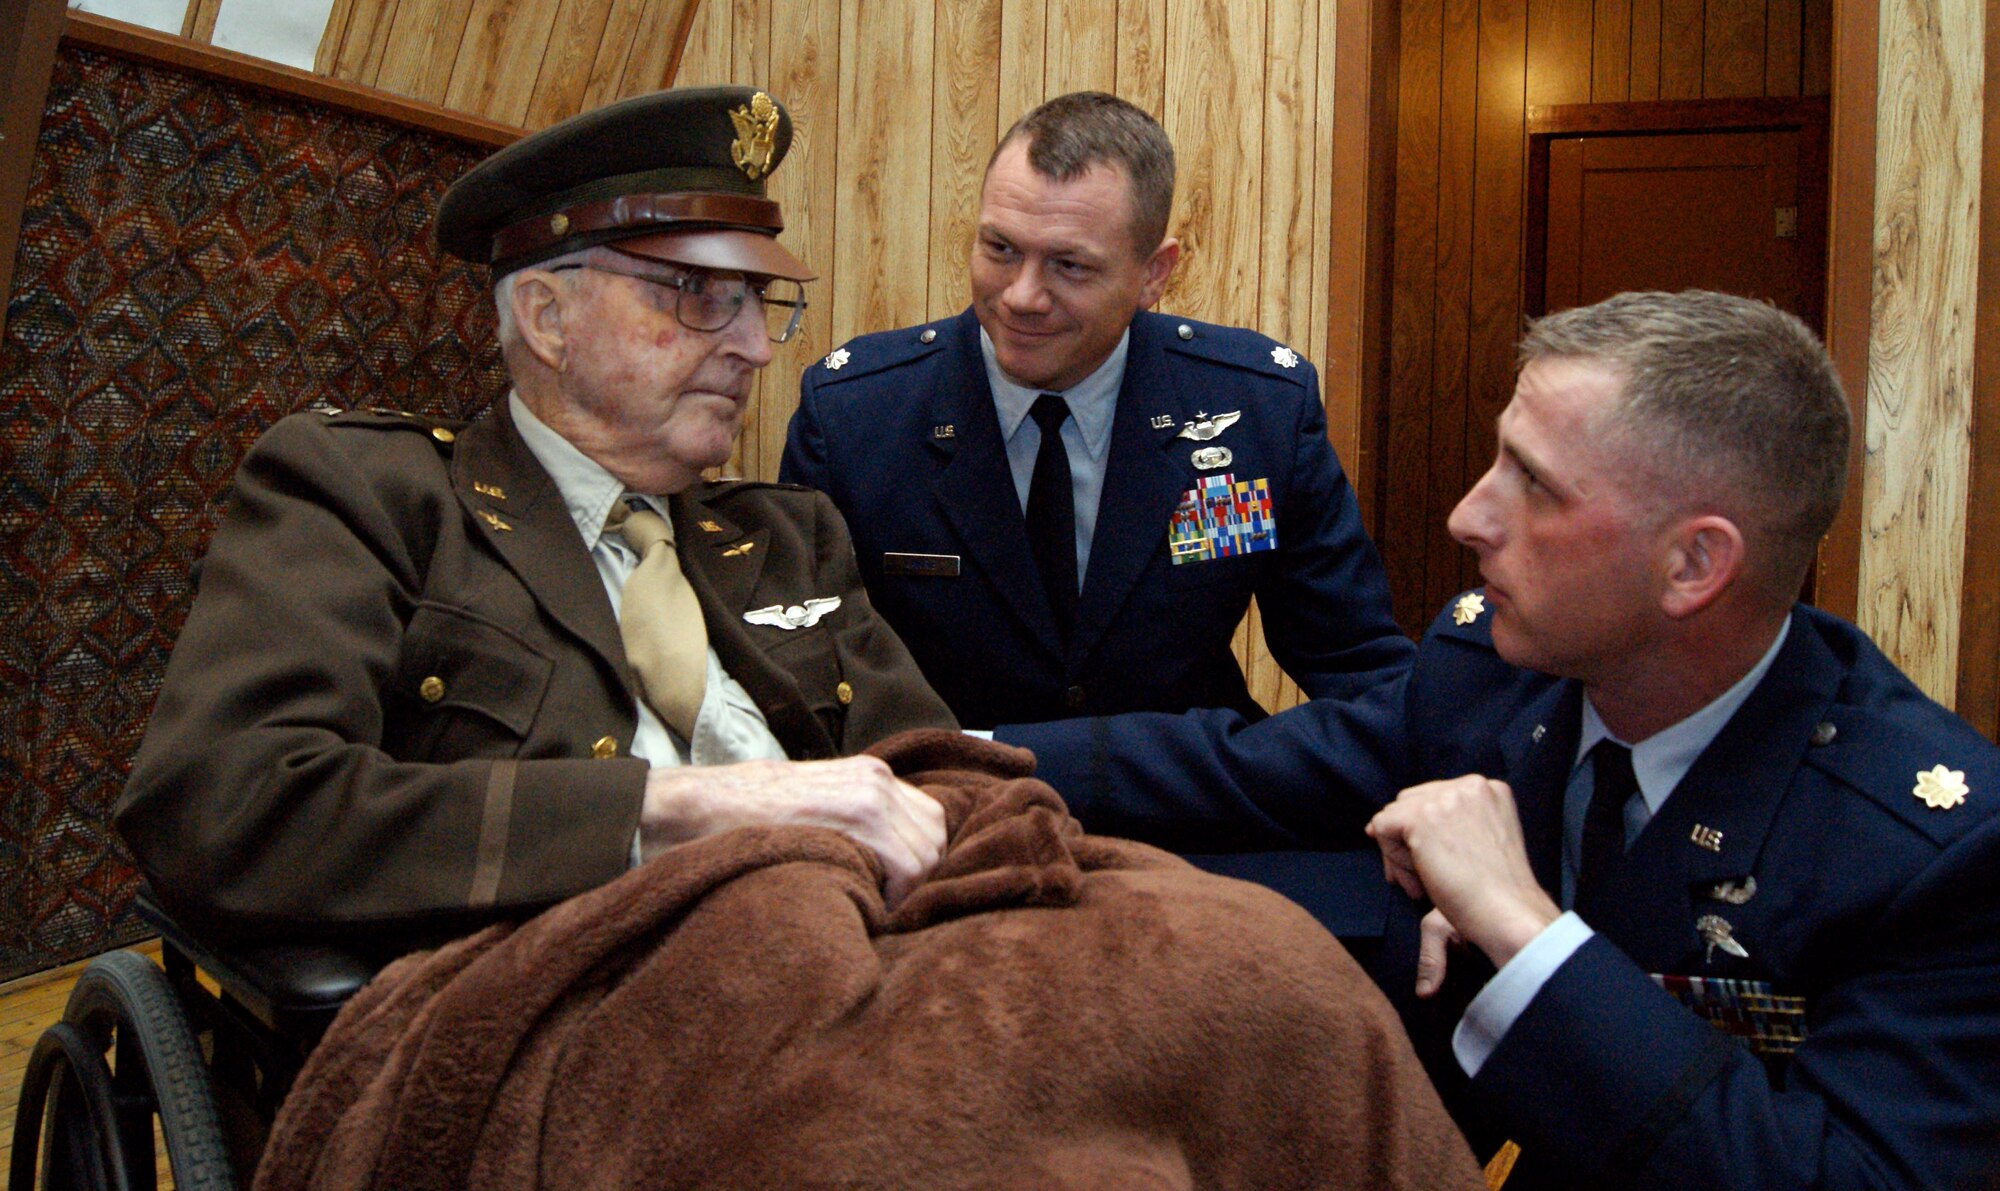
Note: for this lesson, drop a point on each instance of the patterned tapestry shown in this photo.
(196, 261)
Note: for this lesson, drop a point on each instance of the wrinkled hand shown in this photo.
(1459, 843)
(858, 796)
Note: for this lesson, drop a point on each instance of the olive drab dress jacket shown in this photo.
(400, 702)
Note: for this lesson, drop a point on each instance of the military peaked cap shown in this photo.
(678, 175)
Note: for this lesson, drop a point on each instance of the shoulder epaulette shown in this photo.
(441, 432)
(1238, 348)
(1941, 784)
(866, 355)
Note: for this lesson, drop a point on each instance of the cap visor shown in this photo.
(743, 252)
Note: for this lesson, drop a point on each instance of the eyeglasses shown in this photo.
(706, 301)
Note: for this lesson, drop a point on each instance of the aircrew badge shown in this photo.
(756, 136)
(1285, 357)
(837, 359)
(1941, 788)
(798, 616)
(1220, 518)
(1204, 427)
(1210, 458)
(1468, 608)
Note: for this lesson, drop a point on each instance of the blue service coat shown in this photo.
(899, 429)
(1881, 911)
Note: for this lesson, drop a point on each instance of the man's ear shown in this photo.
(1159, 267)
(538, 311)
(1704, 556)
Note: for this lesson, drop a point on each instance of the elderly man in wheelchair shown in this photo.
(553, 746)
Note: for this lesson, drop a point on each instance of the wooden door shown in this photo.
(1715, 210)
(1727, 195)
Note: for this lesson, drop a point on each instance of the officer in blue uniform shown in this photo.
(1714, 884)
(1063, 504)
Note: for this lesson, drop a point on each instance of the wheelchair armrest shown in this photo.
(294, 989)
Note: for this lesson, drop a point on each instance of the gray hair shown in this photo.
(509, 331)
(1724, 401)
(1070, 133)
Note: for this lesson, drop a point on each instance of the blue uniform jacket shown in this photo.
(1879, 910)
(899, 429)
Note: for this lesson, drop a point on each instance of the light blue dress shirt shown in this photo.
(1086, 436)
(1659, 762)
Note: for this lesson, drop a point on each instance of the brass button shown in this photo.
(441, 434)
(844, 693)
(1073, 698)
(927, 336)
(432, 689)
(1184, 331)
(606, 746)
(1824, 732)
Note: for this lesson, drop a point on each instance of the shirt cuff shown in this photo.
(981, 733)
(1493, 1012)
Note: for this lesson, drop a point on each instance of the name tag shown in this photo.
(927, 566)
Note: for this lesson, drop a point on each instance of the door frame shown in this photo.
(1548, 123)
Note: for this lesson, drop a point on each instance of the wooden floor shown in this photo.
(27, 1007)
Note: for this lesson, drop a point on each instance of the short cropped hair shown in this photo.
(1724, 400)
(1070, 133)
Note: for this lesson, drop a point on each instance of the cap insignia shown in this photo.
(1468, 608)
(1285, 357)
(1941, 788)
(756, 136)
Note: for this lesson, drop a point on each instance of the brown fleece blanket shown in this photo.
(1050, 1009)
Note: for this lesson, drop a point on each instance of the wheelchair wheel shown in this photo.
(99, 1124)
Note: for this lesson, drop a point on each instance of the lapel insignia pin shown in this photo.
(756, 136)
(709, 526)
(492, 490)
(1706, 837)
(1735, 892)
(837, 359)
(1284, 357)
(1210, 458)
(1468, 608)
(1941, 788)
(1715, 931)
(495, 521)
(948, 430)
(798, 616)
(1162, 421)
(1540, 731)
(739, 551)
(1824, 732)
(1204, 427)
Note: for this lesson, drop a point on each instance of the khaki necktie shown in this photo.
(660, 620)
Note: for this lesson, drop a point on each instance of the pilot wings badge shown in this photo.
(1204, 427)
(795, 617)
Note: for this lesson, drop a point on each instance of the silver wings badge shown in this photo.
(795, 617)
(1204, 427)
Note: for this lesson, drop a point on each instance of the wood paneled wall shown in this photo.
(520, 62)
(897, 105)
(1470, 69)
(1920, 352)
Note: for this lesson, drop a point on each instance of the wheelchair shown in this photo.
(212, 1064)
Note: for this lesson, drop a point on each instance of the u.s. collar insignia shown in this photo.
(798, 616)
(1941, 788)
(1204, 427)
(494, 521)
(1162, 421)
(492, 490)
(756, 136)
(837, 359)
(1468, 608)
(1285, 357)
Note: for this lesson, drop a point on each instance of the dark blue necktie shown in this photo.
(1612, 785)
(1052, 513)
